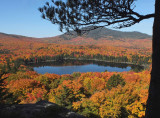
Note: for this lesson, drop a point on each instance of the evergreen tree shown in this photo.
(114, 81)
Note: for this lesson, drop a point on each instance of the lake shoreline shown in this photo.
(82, 65)
(97, 60)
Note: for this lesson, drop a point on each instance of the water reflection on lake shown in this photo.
(70, 66)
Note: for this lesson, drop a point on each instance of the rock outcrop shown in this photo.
(42, 109)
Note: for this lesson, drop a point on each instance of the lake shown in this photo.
(70, 66)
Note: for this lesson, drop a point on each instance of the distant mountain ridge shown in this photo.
(12, 35)
(100, 36)
(107, 33)
(96, 34)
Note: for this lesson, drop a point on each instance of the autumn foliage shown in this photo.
(86, 93)
(93, 94)
(123, 50)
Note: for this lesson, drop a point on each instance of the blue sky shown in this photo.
(23, 18)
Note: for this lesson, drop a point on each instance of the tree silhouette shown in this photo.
(76, 14)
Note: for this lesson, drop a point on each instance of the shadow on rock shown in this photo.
(42, 109)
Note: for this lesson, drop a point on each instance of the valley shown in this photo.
(92, 94)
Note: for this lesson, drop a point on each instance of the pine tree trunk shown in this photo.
(153, 102)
